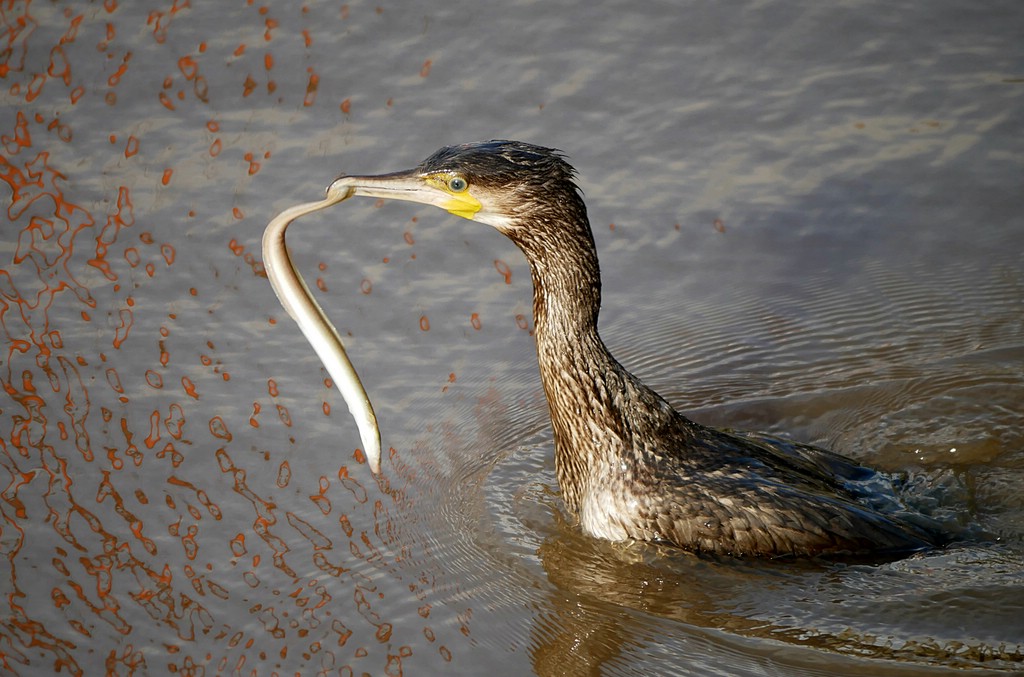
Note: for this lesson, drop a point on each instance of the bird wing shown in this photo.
(745, 494)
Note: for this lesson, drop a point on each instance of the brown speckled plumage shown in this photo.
(628, 464)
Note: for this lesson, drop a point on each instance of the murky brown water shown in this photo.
(810, 223)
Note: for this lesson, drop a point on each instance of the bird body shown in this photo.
(631, 466)
(628, 464)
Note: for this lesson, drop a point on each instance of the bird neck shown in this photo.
(567, 296)
(594, 402)
(559, 246)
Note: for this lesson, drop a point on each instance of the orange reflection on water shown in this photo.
(117, 537)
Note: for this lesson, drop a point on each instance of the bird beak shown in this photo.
(410, 186)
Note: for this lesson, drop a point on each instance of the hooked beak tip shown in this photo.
(341, 189)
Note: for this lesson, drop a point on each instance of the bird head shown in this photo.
(504, 184)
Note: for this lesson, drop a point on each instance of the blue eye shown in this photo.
(457, 184)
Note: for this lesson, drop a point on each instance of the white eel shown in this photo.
(296, 298)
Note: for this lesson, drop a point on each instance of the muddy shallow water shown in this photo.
(810, 223)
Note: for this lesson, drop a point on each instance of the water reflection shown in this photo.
(860, 611)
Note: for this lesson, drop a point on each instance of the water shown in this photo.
(809, 222)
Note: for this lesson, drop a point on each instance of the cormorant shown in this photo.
(628, 464)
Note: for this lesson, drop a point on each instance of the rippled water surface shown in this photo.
(810, 223)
